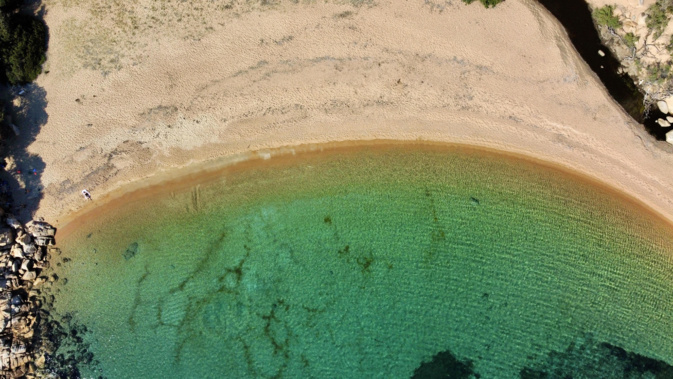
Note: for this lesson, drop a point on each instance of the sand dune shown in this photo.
(136, 89)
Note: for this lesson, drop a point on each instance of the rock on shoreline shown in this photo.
(24, 253)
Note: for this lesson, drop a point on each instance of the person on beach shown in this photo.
(86, 194)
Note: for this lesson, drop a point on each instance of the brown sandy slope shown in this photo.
(165, 84)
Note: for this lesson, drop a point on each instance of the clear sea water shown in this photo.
(368, 262)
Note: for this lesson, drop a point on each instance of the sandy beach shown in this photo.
(136, 90)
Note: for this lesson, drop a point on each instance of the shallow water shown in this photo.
(368, 262)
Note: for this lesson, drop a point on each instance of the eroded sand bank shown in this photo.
(137, 89)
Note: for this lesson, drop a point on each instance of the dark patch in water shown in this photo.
(279, 346)
(248, 357)
(438, 234)
(131, 251)
(279, 333)
(236, 272)
(137, 299)
(366, 261)
(587, 358)
(345, 250)
(67, 351)
(196, 306)
(208, 257)
(445, 365)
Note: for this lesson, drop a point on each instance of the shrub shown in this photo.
(669, 47)
(486, 3)
(8, 5)
(605, 17)
(658, 73)
(630, 40)
(657, 17)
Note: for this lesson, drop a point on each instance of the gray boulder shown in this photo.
(17, 251)
(29, 249)
(663, 123)
(44, 241)
(13, 222)
(40, 229)
(663, 107)
(6, 237)
(23, 238)
(26, 265)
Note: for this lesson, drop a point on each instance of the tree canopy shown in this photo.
(23, 43)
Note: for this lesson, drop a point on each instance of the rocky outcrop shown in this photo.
(640, 36)
(24, 252)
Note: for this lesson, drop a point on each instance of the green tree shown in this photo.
(22, 47)
(604, 16)
(630, 40)
(25, 54)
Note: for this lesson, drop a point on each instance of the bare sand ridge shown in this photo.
(136, 89)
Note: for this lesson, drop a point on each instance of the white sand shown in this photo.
(192, 82)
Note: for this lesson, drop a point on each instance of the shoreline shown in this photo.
(485, 81)
(186, 178)
(253, 217)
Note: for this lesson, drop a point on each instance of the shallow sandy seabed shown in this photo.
(137, 89)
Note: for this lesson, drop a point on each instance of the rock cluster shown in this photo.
(643, 43)
(23, 256)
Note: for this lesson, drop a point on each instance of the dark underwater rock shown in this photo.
(445, 365)
(587, 358)
(131, 251)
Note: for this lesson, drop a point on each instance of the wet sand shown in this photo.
(185, 180)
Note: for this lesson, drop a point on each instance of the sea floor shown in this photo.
(387, 261)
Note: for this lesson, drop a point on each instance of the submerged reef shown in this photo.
(445, 365)
(584, 358)
(588, 358)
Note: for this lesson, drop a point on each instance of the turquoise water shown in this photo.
(368, 262)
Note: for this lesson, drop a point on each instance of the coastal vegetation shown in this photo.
(642, 43)
(630, 40)
(658, 72)
(23, 44)
(658, 16)
(605, 17)
(486, 3)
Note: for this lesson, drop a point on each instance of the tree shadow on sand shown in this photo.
(21, 187)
